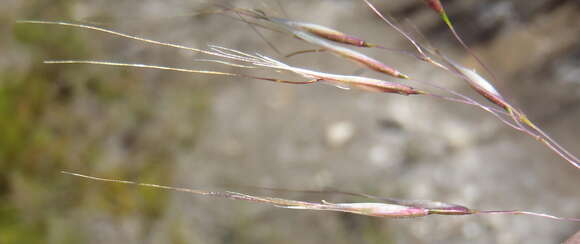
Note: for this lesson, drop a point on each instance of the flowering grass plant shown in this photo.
(342, 45)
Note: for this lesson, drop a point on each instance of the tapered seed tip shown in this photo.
(403, 76)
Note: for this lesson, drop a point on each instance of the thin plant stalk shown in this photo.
(159, 67)
(437, 6)
(394, 208)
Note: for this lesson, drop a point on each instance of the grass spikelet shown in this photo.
(255, 60)
(320, 36)
(350, 54)
(394, 208)
(326, 33)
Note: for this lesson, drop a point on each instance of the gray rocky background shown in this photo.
(217, 133)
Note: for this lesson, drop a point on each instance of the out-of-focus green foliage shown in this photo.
(46, 126)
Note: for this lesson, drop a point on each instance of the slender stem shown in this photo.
(411, 40)
(471, 52)
(207, 72)
(518, 212)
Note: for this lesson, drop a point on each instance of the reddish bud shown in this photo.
(435, 5)
(438, 7)
(331, 34)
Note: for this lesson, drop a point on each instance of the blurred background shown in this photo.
(219, 133)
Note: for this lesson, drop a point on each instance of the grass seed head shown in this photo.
(326, 33)
(351, 55)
